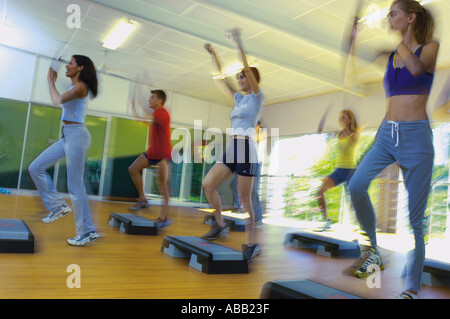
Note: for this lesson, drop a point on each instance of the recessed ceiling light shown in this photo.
(119, 34)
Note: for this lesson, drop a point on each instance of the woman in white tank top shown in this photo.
(73, 146)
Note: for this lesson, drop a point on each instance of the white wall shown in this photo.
(185, 110)
(24, 77)
(16, 74)
(303, 116)
(40, 88)
(112, 95)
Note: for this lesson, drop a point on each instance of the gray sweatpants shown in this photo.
(410, 144)
(73, 146)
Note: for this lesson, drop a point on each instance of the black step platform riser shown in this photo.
(16, 247)
(15, 237)
(302, 289)
(205, 256)
(436, 273)
(133, 224)
(322, 245)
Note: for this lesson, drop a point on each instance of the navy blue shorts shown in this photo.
(341, 175)
(151, 162)
(241, 157)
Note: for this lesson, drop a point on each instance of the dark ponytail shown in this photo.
(88, 74)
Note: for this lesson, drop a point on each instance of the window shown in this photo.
(305, 160)
(303, 163)
(12, 131)
(44, 127)
(127, 141)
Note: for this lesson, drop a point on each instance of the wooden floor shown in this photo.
(129, 266)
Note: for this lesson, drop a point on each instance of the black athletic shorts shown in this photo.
(241, 157)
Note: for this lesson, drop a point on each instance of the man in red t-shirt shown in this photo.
(158, 154)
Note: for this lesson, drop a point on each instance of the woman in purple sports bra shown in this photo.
(404, 137)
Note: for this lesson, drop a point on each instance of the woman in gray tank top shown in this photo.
(73, 146)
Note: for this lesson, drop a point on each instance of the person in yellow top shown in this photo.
(345, 162)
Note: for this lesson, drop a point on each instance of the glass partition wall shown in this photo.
(27, 129)
(303, 161)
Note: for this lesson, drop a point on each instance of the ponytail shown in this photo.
(424, 28)
(88, 74)
(424, 24)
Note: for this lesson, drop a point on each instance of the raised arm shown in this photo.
(223, 82)
(146, 117)
(419, 65)
(79, 91)
(234, 36)
(350, 72)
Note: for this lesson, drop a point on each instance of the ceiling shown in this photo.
(296, 44)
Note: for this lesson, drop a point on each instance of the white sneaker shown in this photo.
(57, 213)
(140, 205)
(81, 240)
(326, 226)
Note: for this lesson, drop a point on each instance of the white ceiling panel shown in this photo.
(175, 6)
(221, 20)
(286, 8)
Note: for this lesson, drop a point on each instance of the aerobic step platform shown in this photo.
(234, 223)
(15, 237)
(302, 289)
(323, 245)
(436, 273)
(205, 256)
(133, 224)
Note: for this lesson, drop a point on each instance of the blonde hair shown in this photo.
(424, 24)
(353, 124)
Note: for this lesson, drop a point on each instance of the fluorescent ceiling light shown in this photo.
(375, 16)
(380, 14)
(119, 34)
